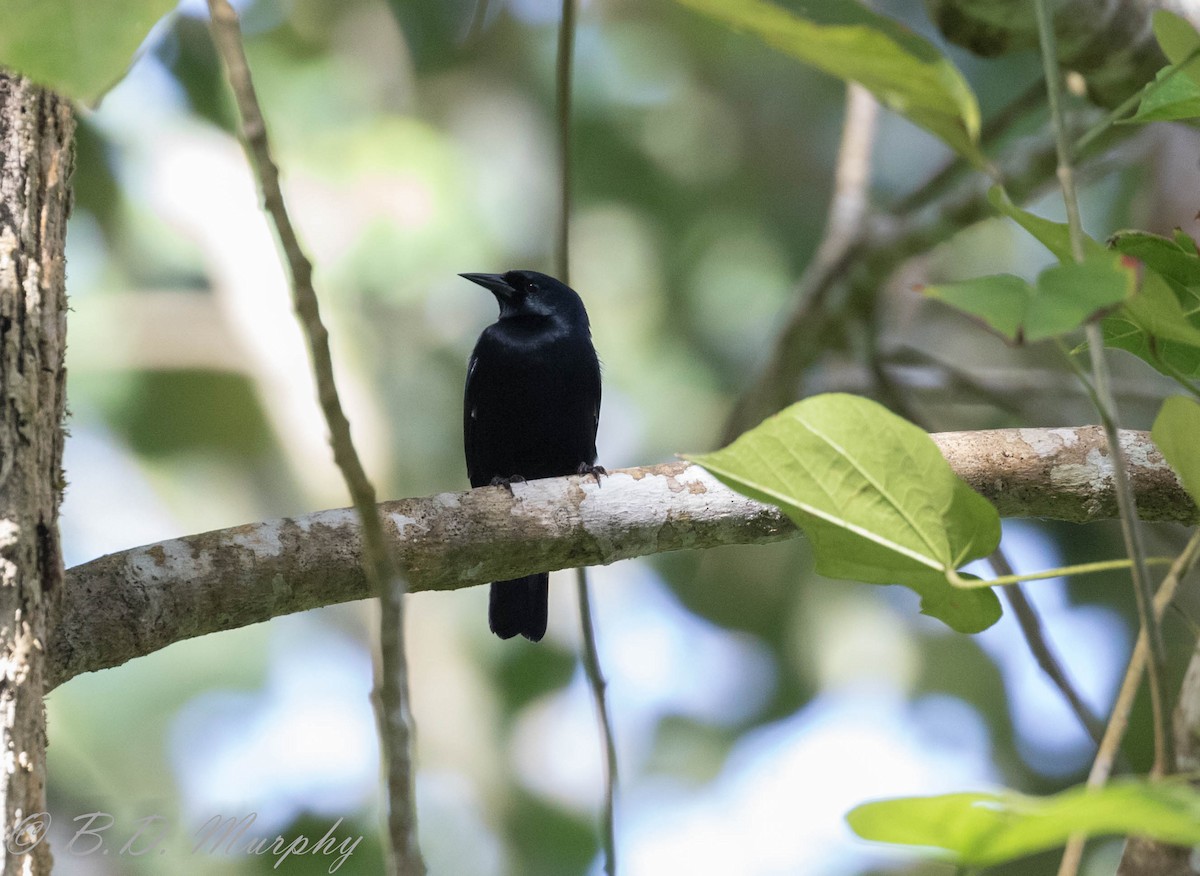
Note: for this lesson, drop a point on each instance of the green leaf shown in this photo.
(1172, 96)
(984, 829)
(1000, 300)
(1156, 311)
(1166, 357)
(1071, 294)
(1171, 258)
(874, 495)
(1066, 296)
(1179, 41)
(905, 72)
(1185, 241)
(1160, 324)
(1055, 236)
(79, 48)
(1174, 432)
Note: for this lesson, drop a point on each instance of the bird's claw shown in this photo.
(506, 482)
(586, 468)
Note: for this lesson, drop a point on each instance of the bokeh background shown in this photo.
(754, 701)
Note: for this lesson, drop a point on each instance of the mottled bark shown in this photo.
(35, 166)
(1144, 857)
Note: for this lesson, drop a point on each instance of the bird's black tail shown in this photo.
(519, 606)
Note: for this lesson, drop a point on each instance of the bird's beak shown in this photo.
(494, 283)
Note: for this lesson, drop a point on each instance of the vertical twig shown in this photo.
(595, 675)
(1039, 645)
(807, 322)
(851, 174)
(591, 656)
(1163, 756)
(1118, 720)
(478, 20)
(392, 704)
(566, 53)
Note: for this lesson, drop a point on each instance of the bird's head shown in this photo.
(531, 295)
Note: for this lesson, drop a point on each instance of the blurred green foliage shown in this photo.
(416, 140)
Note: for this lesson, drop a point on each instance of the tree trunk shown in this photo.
(35, 166)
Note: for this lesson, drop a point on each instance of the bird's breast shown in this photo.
(532, 407)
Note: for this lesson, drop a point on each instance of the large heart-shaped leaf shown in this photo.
(874, 495)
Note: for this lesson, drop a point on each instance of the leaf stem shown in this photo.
(1164, 757)
(1129, 103)
(1061, 572)
(1102, 125)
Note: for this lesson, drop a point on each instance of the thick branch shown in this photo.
(132, 603)
(36, 158)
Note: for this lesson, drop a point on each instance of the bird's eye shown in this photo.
(519, 282)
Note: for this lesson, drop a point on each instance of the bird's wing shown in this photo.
(470, 423)
(599, 385)
(593, 392)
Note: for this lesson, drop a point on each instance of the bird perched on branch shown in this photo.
(531, 408)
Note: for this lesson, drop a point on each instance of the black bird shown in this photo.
(531, 408)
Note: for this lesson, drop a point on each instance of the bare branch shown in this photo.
(1043, 651)
(392, 699)
(162, 593)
